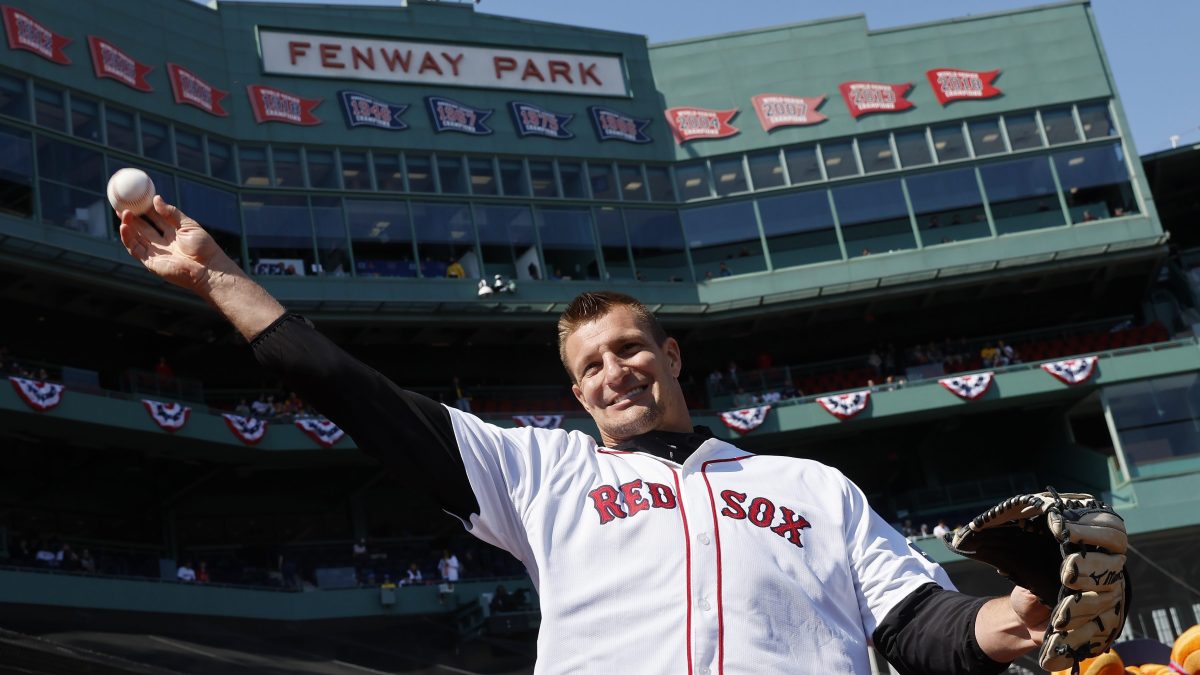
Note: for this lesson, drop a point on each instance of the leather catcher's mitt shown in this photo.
(1069, 551)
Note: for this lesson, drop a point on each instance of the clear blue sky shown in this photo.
(1152, 44)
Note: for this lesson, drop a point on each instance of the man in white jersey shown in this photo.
(659, 550)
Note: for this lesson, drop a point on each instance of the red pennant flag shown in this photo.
(956, 85)
(779, 110)
(688, 124)
(863, 98)
(275, 105)
(25, 32)
(189, 89)
(109, 61)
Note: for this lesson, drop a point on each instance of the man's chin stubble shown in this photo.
(646, 421)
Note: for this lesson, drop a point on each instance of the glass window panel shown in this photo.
(604, 183)
(1096, 122)
(278, 234)
(288, 171)
(802, 165)
(1060, 125)
(189, 150)
(16, 172)
(658, 179)
(220, 160)
(329, 226)
(1021, 195)
(451, 175)
(321, 170)
(253, 162)
(356, 173)
(724, 240)
(14, 98)
(381, 237)
(483, 176)
(49, 107)
(1023, 131)
(444, 235)
(1095, 183)
(217, 211)
(567, 243)
(541, 176)
(985, 137)
(613, 243)
(948, 206)
(728, 175)
(913, 147)
(571, 175)
(121, 134)
(1156, 422)
(506, 243)
(949, 143)
(73, 209)
(420, 172)
(691, 181)
(74, 165)
(85, 118)
(633, 186)
(839, 159)
(512, 178)
(387, 171)
(873, 217)
(155, 141)
(765, 169)
(799, 229)
(876, 154)
(657, 243)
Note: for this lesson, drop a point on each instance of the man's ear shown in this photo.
(674, 360)
(579, 396)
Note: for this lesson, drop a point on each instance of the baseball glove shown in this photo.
(1069, 551)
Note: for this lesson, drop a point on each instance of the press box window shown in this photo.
(633, 186)
(483, 176)
(1060, 126)
(189, 150)
(913, 147)
(986, 137)
(765, 170)
(321, 170)
(949, 143)
(571, 174)
(155, 140)
(541, 175)
(876, 153)
(729, 176)
(356, 174)
(85, 118)
(1023, 131)
(288, 171)
(512, 178)
(692, 181)
(420, 172)
(253, 161)
(802, 165)
(1095, 120)
(387, 171)
(48, 104)
(658, 179)
(451, 175)
(14, 99)
(121, 132)
(839, 159)
(604, 185)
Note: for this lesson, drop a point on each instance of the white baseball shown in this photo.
(131, 190)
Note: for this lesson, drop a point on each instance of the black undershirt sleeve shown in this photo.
(932, 632)
(406, 432)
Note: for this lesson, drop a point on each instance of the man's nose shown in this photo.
(614, 367)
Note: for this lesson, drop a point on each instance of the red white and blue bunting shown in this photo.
(169, 416)
(324, 432)
(249, 430)
(845, 406)
(1072, 371)
(539, 421)
(969, 387)
(41, 396)
(746, 420)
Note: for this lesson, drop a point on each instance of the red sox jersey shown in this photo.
(727, 563)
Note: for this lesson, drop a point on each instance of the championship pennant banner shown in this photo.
(689, 124)
(249, 430)
(845, 406)
(969, 387)
(1072, 371)
(960, 85)
(275, 105)
(864, 98)
(324, 432)
(41, 396)
(362, 110)
(25, 32)
(615, 126)
(450, 115)
(779, 110)
(532, 120)
(539, 421)
(189, 89)
(746, 420)
(169, 416)
(110, 62)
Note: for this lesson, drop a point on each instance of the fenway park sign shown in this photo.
(370, 58)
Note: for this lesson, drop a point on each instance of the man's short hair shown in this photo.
(593, 305)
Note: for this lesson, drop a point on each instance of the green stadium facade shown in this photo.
(792, 199)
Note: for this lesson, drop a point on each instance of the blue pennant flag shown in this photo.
(450, 115)
(532, 120)
(362, 110)
(614, 126)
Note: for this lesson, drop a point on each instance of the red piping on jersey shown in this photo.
(687, 540)
(717, 540)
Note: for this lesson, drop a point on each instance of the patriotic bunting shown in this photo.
(746, 420)
(41, 396)
(249, 430)
(1072, 371)
(169, 416)
(324, 432)
(969, 387)
(845, 406)
(539, 421)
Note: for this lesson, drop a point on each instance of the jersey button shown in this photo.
(704, 538)
(705, 671)
(704, 604)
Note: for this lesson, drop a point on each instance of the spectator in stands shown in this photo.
(163, 370)
(731, 376)
(716, 381)
(501, 600)
(940, 530)
(449, 568)
(185, 573)
(412, 577)
(461, 400)
(1007, 355)
(455, 270)
(875, 362)
(988, 355)
(243, 408)
(66, 558)
(724, 271)
(45, 557)
(86, 562)
(202, 573)
(261, 408)
(742, 399)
